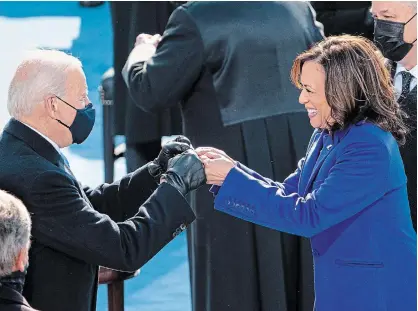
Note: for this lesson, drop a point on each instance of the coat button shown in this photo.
(183, 227)
(177, 232)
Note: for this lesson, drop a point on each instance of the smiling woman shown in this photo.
(312, 95)
(343, 80)
(348, 195)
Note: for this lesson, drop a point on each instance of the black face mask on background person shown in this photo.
(83, 122)
(388, 37)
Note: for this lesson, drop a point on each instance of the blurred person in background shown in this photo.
(142, 130)
(345, 17)
(15, 226)
(75, 229)
(348, 194)
(229, 63)
(395, 35)
(90, 4)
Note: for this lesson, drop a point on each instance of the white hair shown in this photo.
(15, 226)
(412, 5)
(41, 73)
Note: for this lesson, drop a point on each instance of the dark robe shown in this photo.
(230, 63)
(142, 130)
(345, 17)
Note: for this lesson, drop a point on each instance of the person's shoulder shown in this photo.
(207, 10)
(19, 168)
(11, 300)
(52, 177)
(196, 5)
(368, 133)
(195, 10)
(185, 14)
(187, 7)
(25, 164)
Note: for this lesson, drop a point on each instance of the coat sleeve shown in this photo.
(168, 75)
(357, 180)
(63, 220)
(290, 184)
(121, 199)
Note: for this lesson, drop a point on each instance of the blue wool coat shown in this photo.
(348, 195)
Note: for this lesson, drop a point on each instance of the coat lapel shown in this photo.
(40, 146)
(34, 141)
(323, 147)
(65, 166)
(310, 160)
(324, 152)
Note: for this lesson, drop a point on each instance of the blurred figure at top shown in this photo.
(345, 17)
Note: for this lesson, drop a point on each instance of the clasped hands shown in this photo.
(187, 169)
(217, 164)
(144, 38)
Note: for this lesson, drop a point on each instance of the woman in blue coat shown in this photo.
(348, 195)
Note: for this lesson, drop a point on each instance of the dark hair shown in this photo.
(358, 84)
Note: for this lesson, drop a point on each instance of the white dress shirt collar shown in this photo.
(413, 71)
(398, 79)
(46, 138)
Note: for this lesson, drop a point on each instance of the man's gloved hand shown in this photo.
(185, 172)
(168, 151)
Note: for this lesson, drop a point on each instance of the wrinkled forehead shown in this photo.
(395, 9)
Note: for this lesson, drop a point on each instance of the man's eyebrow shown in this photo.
(386, 11)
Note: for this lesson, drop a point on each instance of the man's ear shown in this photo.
(51, 106)
(22, 260)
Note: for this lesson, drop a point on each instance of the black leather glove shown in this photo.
(185, 172)
(168, 151)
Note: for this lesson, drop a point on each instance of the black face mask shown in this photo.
(83, 122)
(388, 37)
